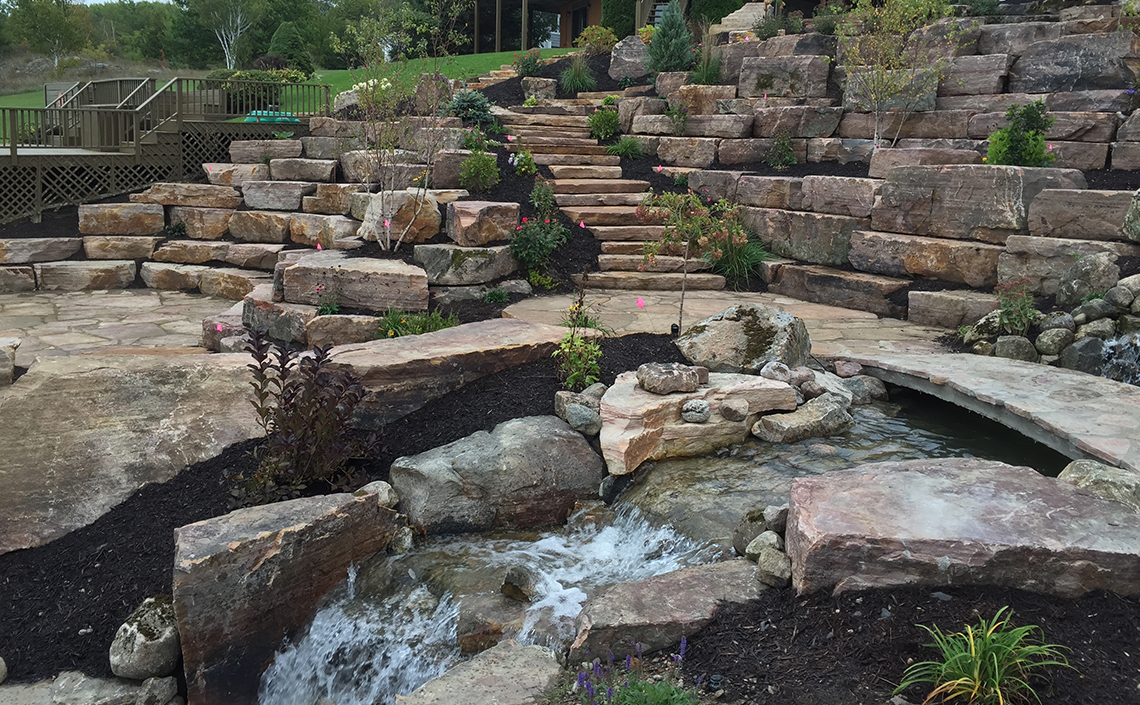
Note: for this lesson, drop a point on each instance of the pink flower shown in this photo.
(765, 96)
(518, 227)
(524, 220)
(547, 221)
(640, 302)
(582, 224)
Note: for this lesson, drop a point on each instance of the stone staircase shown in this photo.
(590, 189)
(503, 73)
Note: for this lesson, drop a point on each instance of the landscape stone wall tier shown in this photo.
(696, 126)
(998, 525)
(85, 276)
(413, 216)
(190, 252)
(341, 330)
(253, 255)
(1125, 156)
(303, 169)
(312, 229)
(980, 146)
(403, 374)
(857, 290)
(798, 121)
(883, 160)
(329, 147)
(260, 226)
(1044, 260)
(1076, 63)
(754, 149)
(807, 44)
(246, 581)
(476, 223)
(840, 195)
(996, 103)
(173, 277)
(975, 75)
(452, 265)
(330, 199)
(786, 76)
(1129, 130)
(277, 195)
(950, 36)
(282, 321)
(669, 82)
(836, 149)
(630, 108)
(732, 57)
(780, 192)
(446, 167)
(232, 284)
(202, 223)
(15, 280)
(261, 151)
(715, 184)
(119, 246)
(1085, 156)
(895, 255)
(948, 309)
(197, 195)
(26, 250)
(702, 100)
(359, 282)
(806, 237)
(1015, 38)
(121, 219)
(697, 152)
(858, 92)
(221, 174)
(1079, 214)
(1096, 101)
(1073, 127)
(937, 124)
(980, 202)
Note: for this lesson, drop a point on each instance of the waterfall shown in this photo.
(1122, 359)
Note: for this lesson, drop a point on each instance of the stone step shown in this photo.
(508, 117)
(586, 172)
(321, 170)
(594, 149)
(502, 73)
(528, 140)
(544, 131)
(598, 185)
(576, 159)
(630, 92)
(598, 199)
(635, 262)
(959, 261)
(653, 281)
(603, 215)
(566, 110)
(628, 233)
(948, 309)
(854, 290)
(633, 247)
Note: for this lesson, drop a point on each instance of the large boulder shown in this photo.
(744, 338)
(628, 59)
(121, 219)
(638, 425)
(202, 223)
(146, 645)
(26, 250)
(1094, 274)
(358, 282)
(476, 223)
(656, 613)
(823, 416)
(958, 522)
(1114, 484)
(526, 472)
(190, 195)
(398, 215)
(452, 265)
(784, 76)
(277, 195)
(507, 674)
(1077, 63)
(819, 238)
(245, 581)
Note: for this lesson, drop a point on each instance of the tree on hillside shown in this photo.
(672, 46)
(228, 20)
(49, 27)
(288, 44)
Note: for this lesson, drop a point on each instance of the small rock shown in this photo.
(773, 567)
(983, 348)
(801, 375)
(597, 390)
(865, 388)
(1103, 328)
(146, 645)
(1015, 347)
(157, 691)
(767, 539)
(799, 397)
(1085, 355)
(1119, 296)
(75, 688)
(812, 389)
(824, 450)
(751, 525)
(696, 411)
(583, 419)
(941, 596)
(234, 344)
(988, 326)
(1053, 341)
(776, 370)
(563, 399)
(776, 517)
(1128, 324)
(385, 495)
(1056, 320)
(1095, 310)
(734, 409)
(847, 368)
(1049, 360)
(1080, 319)
(884, 613)
(1091, 274)
(3, 671)
(518, 584)
(666, 378)
(403, 540)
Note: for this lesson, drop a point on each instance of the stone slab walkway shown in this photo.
(83, 322)
(834, 331)
(1078, 415)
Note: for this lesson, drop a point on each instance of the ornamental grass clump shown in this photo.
(992, 663)
(396, 323)
(626, 148)
(577, 77)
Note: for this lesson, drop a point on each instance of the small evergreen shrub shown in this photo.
(672, 47)
(471, 107)
(531, 101)
(610, 100)
(528, 64)
(479, 172)
(496, 296)
(626, 82)
(596, 39)
(603, 124)
(626, 148)
(781, 154)
(1022, 141)
(577, 77)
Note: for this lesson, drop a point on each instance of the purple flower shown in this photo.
(609, 693)
(628, 662)
(684, 645)
(597, 669)
(582, 678)
(590, 689)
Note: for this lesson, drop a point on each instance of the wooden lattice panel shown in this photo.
(18, 189)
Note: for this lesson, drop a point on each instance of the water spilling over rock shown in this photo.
(1122, 359)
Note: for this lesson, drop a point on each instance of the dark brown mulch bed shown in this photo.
(94, 577)
(1113, 180)
(846, 651)
(510, 93)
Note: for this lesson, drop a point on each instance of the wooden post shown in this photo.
(524, 9)
(476, 26)
(498, 25)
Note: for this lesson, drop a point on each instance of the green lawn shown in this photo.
(32, 99)
(467, 66)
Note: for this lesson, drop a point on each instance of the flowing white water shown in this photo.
(1122, 359)
(366, 652)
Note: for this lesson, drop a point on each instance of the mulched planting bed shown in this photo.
(845, 650)
(509, 93)
(64, 601)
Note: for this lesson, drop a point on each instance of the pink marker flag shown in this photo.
(640, 302)
(581, 224)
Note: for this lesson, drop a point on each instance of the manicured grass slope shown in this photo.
(467, 66)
